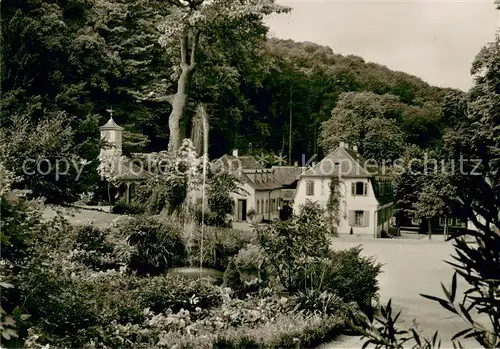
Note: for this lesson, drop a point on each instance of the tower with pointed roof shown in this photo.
(111, 135)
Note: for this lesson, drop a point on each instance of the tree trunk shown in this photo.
(180, 99)
(179, 104)
(445, 229)
(429, 228)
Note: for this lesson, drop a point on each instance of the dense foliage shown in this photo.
(69, 62)
(77, 285)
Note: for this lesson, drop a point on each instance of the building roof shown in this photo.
(345, 163)
(265, 185)
(111, 125)
(260, 179)
(245, 162)
(286, 175)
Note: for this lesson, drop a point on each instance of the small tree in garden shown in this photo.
(109, 169)
(220, 186)
(430, 205)
(176, 176)
(291, 244)
(45, 157)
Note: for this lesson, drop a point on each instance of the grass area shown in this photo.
(80, 215)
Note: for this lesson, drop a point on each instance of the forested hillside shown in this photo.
(82, 58)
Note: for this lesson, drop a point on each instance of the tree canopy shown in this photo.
(79, 58)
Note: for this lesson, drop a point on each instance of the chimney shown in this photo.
(235, 153)
(296, 164)
(346, 145)
(355, 148)
(341, 144)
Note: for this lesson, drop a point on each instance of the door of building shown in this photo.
(242, 210)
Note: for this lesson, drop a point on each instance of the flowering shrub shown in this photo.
(250, 257)
(289, 244)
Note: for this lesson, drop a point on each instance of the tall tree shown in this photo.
(189, 23)
(367, 120)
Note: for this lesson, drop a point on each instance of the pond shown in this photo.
(197, 272)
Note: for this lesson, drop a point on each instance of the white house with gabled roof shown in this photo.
(366, 195)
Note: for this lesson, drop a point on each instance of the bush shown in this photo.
(286, 331)
(220, 186)
(344, 273)
(72, 310)
(315, 302)
(18, 220)
(352, 276)
(124, 208)
(152, 196)
(92, 248)
(289, 246)
(212, 219)
(250, 257)
(159, 245)
(233, 280)
(176, 293)
(219, 245)
(59, 305)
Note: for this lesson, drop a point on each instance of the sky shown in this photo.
(434, 40)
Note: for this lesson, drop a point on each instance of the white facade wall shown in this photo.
(348, 204)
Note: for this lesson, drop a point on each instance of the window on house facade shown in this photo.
(258, 206)
(262, 206)
(359, 188)
(359, 218)
(267, 205)
(310, 188)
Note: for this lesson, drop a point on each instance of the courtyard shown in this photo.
(411, 266)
